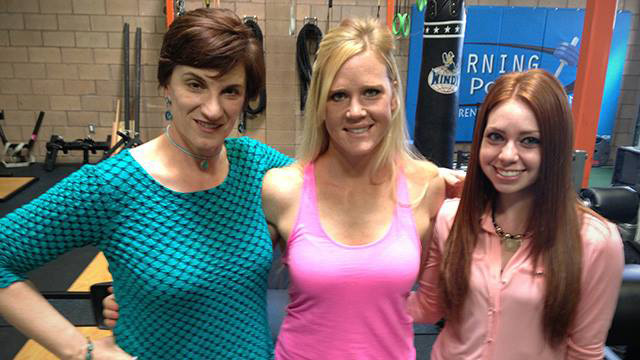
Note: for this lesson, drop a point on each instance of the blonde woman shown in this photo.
(355, 209)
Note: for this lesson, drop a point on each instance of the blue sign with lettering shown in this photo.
(506, 39)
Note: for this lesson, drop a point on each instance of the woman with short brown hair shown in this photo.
(178, 218)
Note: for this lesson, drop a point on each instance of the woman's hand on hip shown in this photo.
(106, 349)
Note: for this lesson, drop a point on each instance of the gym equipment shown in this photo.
(125, 135)
(4, 140)
(86, 145)
(125, 142)
(292, 17)
(436, 113)
(250, 112)
(252, 23)
(462, 160)
(636, 132)
(577, 168)
(19, 154)
(401, 24)
(624, 327)
(306, 47)
(125, 72)
(180, 8)
(129, 138)
(602, 150)
(173, 8)
(136, 110)
(329, 15)
(2, 136)
(116, 125)
(619, 204)
(626, 170)
(79, 307)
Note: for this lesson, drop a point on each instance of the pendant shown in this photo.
(511, 244)
(204, 164)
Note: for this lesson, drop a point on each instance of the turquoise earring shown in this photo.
(167, 114)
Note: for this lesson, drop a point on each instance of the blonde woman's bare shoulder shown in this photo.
(426, 186)
(282, 184)
(420, 172)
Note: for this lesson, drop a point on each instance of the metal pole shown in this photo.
(125, 70)
(592, 68)
(136, 119)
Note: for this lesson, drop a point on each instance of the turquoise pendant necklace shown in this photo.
(204, 161)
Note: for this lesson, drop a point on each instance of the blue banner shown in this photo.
(506, 39)
(414, 62)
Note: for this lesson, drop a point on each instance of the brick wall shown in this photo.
(65, 57)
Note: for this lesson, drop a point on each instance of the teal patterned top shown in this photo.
(189, 269)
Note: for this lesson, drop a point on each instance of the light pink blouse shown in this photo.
(503, 312)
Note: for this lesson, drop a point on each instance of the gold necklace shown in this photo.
(510, 241)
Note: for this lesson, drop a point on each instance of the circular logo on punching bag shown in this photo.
(445, 78)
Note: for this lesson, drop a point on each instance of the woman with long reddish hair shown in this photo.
(517, 267)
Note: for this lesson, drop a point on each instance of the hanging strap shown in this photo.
(329, 13)
(252, 23)
(306, 47)
(3, 138)
(180, 8)
(262, 98)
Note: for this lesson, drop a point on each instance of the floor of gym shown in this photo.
(61, 273)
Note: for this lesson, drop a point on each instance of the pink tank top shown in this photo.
(349, 302)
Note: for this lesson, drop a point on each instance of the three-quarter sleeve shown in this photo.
(274, 159)
(69, 215)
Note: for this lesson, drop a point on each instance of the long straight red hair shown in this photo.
(553, 221)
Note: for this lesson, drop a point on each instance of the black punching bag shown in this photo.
(436, 113)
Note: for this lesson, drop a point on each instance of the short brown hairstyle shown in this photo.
(212, 39)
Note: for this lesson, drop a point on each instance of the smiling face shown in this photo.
(510, 152)
(205, 106)
(359, 106)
